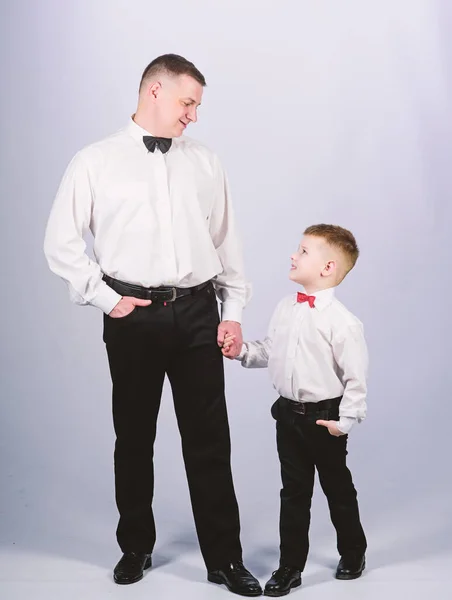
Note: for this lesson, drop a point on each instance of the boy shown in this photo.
(317, 358)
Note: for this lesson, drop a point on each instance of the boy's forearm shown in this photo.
(254, 355)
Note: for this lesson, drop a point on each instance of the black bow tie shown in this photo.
(151, 143)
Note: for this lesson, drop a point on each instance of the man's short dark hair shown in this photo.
(171, 64)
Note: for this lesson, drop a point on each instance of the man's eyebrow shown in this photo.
(192, 100)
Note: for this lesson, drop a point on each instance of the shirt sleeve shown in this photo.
(256, 354)
(230, 285)
(350, 352)
(64, 246)
(345, 424)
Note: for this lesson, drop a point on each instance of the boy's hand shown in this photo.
(230, 328)
(228, 346)
(331, 426)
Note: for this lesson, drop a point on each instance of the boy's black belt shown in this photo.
(304, 408)
(158, 294)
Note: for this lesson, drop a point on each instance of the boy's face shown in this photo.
(310, 262)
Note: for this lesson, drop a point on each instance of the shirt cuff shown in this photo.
(106, 299)
(243, 352)
(231, 310)
(345, 424)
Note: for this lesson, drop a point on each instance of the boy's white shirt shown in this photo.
(315, 353)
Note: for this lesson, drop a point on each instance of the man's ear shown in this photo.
(154, 90)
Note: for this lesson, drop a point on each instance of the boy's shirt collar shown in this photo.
(323, 298)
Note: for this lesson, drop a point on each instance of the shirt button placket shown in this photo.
(165, 217)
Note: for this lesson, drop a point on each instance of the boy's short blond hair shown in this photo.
(340, 239)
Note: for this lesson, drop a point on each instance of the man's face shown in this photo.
(176, 101)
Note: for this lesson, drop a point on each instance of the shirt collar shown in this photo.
(323, 298)
(136, 131)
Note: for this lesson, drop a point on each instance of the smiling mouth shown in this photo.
(182, 123)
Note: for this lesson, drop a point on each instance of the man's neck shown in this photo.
(146, 123)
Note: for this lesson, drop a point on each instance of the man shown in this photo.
(166, 246)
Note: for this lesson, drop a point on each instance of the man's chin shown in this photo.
(180, 130)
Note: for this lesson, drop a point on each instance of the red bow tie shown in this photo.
(305, 298)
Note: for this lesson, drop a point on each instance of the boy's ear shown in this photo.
(329, 268)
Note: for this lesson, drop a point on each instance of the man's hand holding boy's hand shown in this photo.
(230, 338)
(230, 348)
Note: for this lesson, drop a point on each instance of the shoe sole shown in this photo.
(353, 576)
(147, 565)
(219, 581)
(277, 594)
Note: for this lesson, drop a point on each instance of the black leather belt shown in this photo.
(304, 408)
(159, 294)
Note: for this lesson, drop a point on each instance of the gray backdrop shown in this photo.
(321, 111)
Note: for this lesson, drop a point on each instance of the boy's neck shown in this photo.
(311, 290)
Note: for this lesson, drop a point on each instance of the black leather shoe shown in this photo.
(351, 566)
(237, 579)
(282, 581)
(131, 566)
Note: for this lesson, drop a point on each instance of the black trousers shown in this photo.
(303, 447)
(179, 340)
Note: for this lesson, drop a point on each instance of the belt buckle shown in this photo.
(298, 407)
(165, 295)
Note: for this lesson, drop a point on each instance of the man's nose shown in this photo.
(192, 115)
